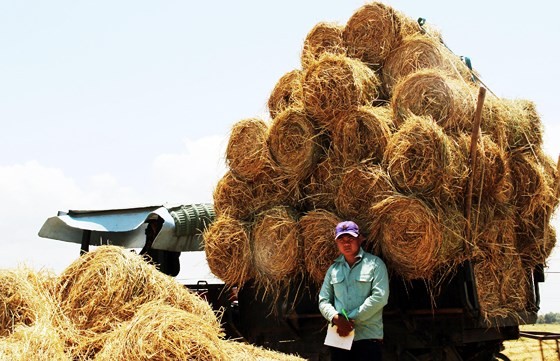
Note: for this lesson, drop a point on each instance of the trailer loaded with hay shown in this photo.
(384, 125)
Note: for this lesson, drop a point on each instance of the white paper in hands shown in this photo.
(335, 340)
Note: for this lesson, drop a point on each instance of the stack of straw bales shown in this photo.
(376, 127)
(111, 305)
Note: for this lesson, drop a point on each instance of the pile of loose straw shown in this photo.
(110, 304)
(376, 126)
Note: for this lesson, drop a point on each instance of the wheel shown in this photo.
(501, 356)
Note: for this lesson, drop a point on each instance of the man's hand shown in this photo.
(343, 326)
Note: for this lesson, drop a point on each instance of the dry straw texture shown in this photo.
(38, 342)
(228, 251)
(159, 332)
(431, 92)
(362, 135)
(246, 152)
(362, 187)
(276, 245)
(501, 284)
(325, 37)
(238, 351)
(371, 33)
(317, 234)
(321, 187)
(408, 235)
(421, 159)
(286, 93)
(293, 143)
(524, 126)
(414, 53)
(334, 84)
(106, 287)
(491, 178)
(24, 299)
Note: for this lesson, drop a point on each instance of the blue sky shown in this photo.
(118, 103)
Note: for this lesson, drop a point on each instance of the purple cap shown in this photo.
(347, 227)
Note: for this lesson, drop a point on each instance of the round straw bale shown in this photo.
(23, 299)
(536, 238)
(317, 233)
(287, 93)
(371, 33)
(493, 235)
(38, 342)
(159, 331)
(408, 235)
(325, 37)
(431, 92)
(246, 153)
(524, 128)
(362, 186)
(239, 351)
(501, 284)
(276, 244)
(531, 191)
(334, 84)
(322, 186)
(106, 286)
(414, 53)
(493, 122)
(492, 178)
(362, 135)
(228, 250)
(421, 159)
(294, 143)
(243, 199)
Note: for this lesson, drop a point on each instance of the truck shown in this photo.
(418, 325)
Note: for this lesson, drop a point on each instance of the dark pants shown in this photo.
(361, 350)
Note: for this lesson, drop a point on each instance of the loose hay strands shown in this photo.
(238, 351)
(228, 250)
(431, 92)
(371, 33)
(362, 135)
(38, 342)
(492, 177)
(159, 331)
(536, 238)
(293, 143)
(414, 53)
(408, 235)
(322, 185)
(246, 152)
(287, 93)
(276, 246)
(24, 299)
(325, 37)
(362, 187)
(421, 159)
(317, 233)
(105, 287)
(531, 191)
(501, 285)
(334, 84)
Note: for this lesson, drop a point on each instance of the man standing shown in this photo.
(354, 292)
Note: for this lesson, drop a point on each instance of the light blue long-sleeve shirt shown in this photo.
(362, 291)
